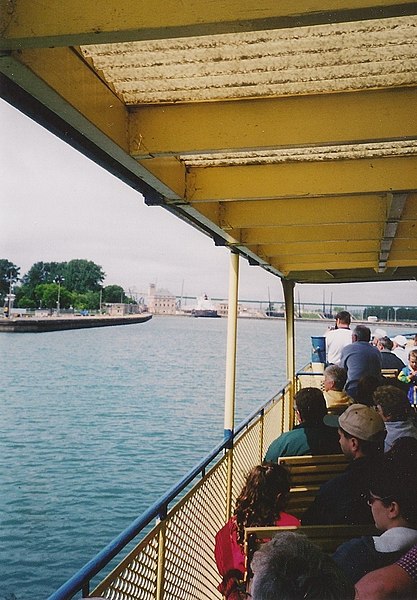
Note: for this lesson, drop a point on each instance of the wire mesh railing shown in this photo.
(175, 560)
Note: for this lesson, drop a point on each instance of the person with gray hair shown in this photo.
(388, 359)
(360, 358)
(291, 567)
(337, 399)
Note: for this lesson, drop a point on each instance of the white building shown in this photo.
(161, 302)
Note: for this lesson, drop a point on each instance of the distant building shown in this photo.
(119, 309)
(223, 308)
(161, 302)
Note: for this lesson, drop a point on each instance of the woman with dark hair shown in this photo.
(260, 503)
(393, 502)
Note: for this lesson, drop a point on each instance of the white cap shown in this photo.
(401, 340)
(379, 333)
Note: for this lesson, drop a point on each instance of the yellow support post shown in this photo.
(160, 578)
(288, 287)
(229, 407)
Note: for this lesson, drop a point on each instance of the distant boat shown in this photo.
(205, 308)
(270, 311)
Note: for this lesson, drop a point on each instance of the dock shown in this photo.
(41, 325)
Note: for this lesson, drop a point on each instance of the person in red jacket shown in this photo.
(260, 504)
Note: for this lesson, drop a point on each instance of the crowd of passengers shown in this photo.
(372, 421)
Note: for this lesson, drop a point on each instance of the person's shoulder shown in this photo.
(348, 348)
(276, 447)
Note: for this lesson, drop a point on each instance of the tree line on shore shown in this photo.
(78, 283)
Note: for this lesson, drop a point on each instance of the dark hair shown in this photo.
(412, 352)
(392, 484)
(311, 405)
(291, 567)
(393, 402)
(363, 333)
(344, 317)
(263, 497)
(367, 385)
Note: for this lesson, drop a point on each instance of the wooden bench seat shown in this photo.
(313, 470)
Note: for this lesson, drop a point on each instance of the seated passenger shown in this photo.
(311, 436)
(389, 583)
(395, 581)
(377, 335)
(395, 410)
(337, 399)
(399, 348)
(408, 375)
(404, 452)
(393, 502)
(260, 503)
(360, 358)
(388, 359)
(366, 388)
(343, 499)
(291, 567)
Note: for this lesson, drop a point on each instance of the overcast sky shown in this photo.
(56, 205)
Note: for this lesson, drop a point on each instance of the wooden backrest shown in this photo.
(313, 470)
(300, 498)
(328, 537)
(390, 373)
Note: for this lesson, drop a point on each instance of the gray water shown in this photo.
(96, 424)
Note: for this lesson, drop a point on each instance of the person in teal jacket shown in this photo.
(310, 436)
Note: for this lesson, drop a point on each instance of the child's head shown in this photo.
(412, 360)
(263, 496)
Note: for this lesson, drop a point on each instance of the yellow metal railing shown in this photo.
(175, 560)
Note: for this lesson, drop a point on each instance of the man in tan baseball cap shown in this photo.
(343, 499)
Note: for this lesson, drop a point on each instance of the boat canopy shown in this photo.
(286, 131)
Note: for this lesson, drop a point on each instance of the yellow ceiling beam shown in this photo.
(169, 170)
(315, 261)
(346, 262)
(407, 229)
(308, 233)
(409, 245)
(307, 211)
(26, 23)
(273, 122)
(297, 249)
(302, 179)
(402, 262)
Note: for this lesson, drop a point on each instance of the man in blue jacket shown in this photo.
(360, 358)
